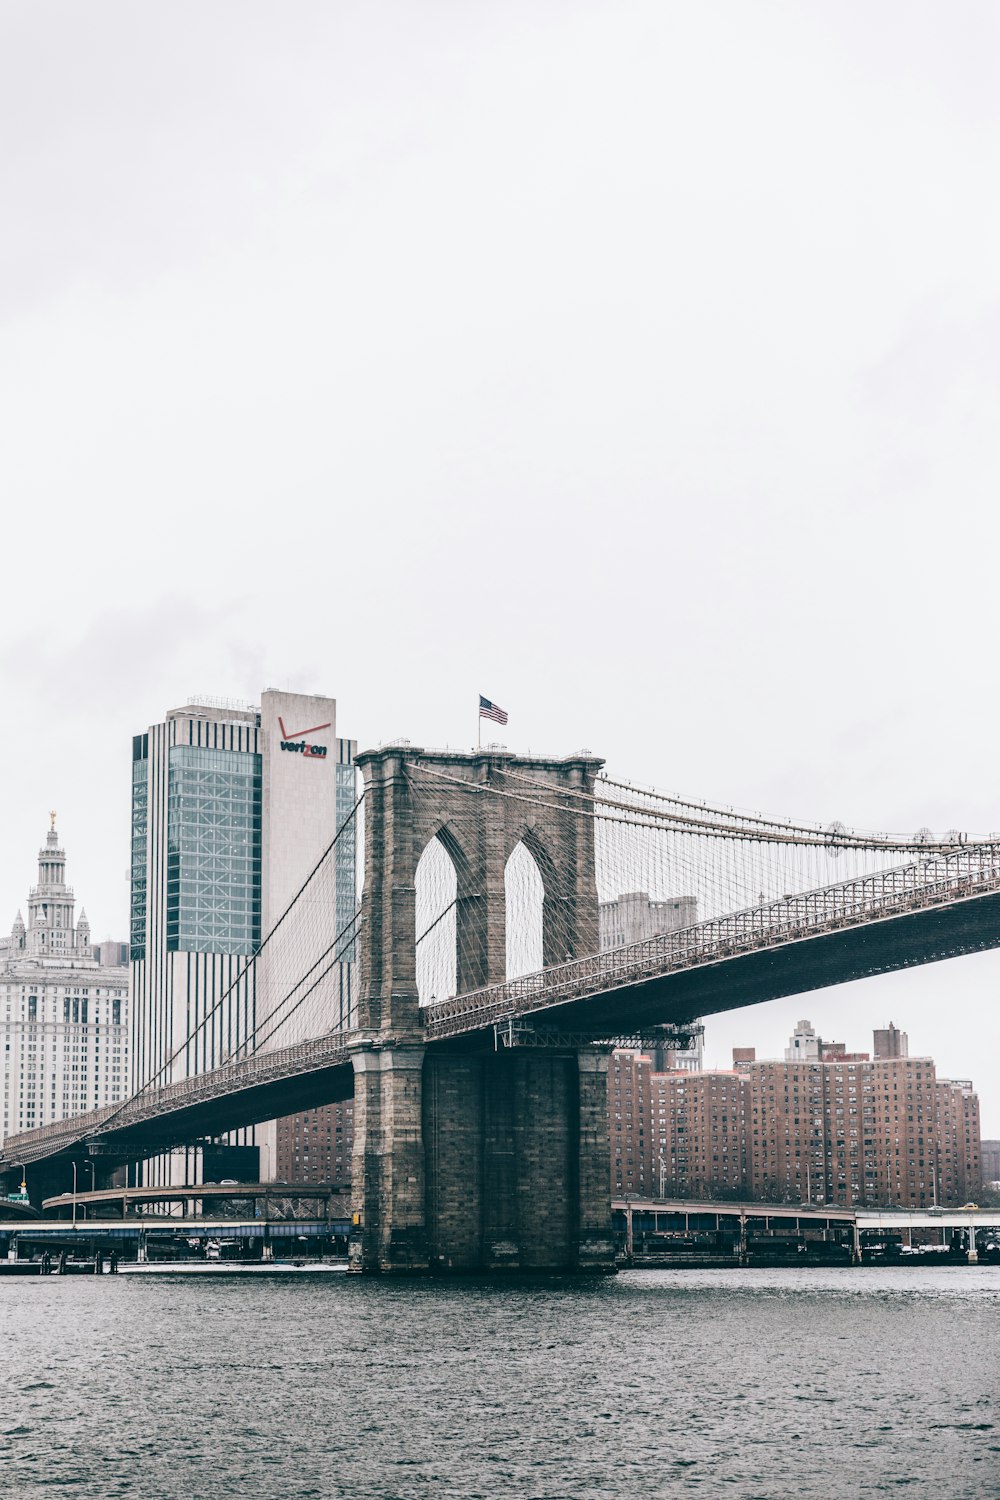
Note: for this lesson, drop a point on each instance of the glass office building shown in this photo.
(226, 825)
(213, 850)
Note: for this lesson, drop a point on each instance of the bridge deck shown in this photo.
(123, 1230)
(197, 1193)
(816, 1215)
(254, 1089)
(941, 907)
(824, 938)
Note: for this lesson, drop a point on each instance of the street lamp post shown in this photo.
(93, 1185)
(12, 1247)
(973, 1255)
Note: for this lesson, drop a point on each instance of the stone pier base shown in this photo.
(387, 1169)
(482, 1161)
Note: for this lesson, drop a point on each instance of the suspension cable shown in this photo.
(649, 817)
(751, 825)
(242, 973)
(243, 1046)
(428, 930)
(354, 922)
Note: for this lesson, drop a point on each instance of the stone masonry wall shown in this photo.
(516, 1150)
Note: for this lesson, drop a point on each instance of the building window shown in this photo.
(140, 812)
(213, 850)
(346, 852)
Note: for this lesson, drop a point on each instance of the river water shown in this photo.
(758, 1385)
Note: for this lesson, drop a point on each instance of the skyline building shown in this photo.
(854, 1130)
(890, 1042)
(804, 1045)
(233, 806)
(316, 1145)
(65, 1013)
(632, 918)
(990, 1158)
(822, 1125)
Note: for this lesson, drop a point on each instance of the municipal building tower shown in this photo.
(64, 1013)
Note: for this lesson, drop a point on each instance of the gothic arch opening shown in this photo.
(436, 887)
(524, 892)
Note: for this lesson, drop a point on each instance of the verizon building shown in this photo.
(232, 807)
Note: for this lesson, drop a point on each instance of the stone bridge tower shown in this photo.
(470, 1158)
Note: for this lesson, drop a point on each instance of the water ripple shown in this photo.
(760, 1385)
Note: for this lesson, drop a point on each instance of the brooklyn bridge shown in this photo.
(485, 1002)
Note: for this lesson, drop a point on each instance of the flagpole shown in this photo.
(479, 729)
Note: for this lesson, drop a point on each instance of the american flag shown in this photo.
(488, 710)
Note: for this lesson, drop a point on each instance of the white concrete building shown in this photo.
(804, 1045)
(634, 917)
(64, 1014)
(232, 807)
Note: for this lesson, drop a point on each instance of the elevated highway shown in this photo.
(819, 1216)
(266, 1194)
(131, 1234)
(648, 1224)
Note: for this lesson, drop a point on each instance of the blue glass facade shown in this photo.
(345, 854)
(208, 807)
(213, 850)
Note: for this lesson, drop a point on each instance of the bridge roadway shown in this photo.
(938, 908)
(251, 1090)
(117, 1232)
(211, 1192)
(819, 1216)
(646, 1214)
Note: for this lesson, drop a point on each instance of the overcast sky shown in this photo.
(636, 365)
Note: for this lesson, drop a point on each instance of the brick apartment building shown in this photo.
(316, 1146)
(959, 1157)
(823, 1125)
(699, 1134)
(631, 1122)
(862, 1132)
(677, 1134)
(990, 1159)
(833, 1126)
